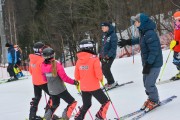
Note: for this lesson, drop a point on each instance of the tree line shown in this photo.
(63, 23)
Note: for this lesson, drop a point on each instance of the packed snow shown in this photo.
(15, 97)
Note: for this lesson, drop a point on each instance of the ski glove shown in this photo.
(146, 68)
(76, 83)
(104, 60)
(172, 44)
(124, 42)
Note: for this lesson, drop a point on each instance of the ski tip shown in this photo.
(174, 96)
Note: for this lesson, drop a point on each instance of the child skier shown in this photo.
(54, 74)
(175, 44)
(88, 72)
(39, 84)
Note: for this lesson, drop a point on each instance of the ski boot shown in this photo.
(145, 104)
(101, 114)
(80, 115)
(48, 115)
(68, 110)
(110, 86)
(151, 105)
(12, 79)
(176, 77)
(33, 108)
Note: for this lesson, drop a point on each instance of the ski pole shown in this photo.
(164, 66)
(132, 30)
(79, 91)
(102, 83)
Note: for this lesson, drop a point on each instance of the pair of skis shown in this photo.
(2, 81)
(56, 118)
(118, 85)
(166, 81)
(141, 113)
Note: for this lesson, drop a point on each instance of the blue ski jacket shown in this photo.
(11, 55)
(109, 43)
(151, 52)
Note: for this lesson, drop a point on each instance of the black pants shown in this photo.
(87, 96)
(18, 63)
(38, 90)
(106, 69)
(65, 96)
(37, 96)
(176, 59)
(11, 70)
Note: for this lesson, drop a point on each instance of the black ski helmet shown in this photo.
(87, 45)
(37, 46)
(48, 53)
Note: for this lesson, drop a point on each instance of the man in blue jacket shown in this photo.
(11, 57)
(151, 55)
(108, 52)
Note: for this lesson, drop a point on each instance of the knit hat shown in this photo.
(136, 18)
(105, 24)
(7, 45)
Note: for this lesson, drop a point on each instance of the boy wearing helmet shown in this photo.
(88, 72)
(175, 44)
(39, 84)
(53, 72)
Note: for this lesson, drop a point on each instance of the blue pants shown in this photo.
(149, 84)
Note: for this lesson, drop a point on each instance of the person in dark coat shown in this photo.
(108, 52)
(11, 58)
(151, 55)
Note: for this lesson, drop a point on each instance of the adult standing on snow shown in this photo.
(108, 52)
(39, 84)
(11, 57)
(151, 54)
(175, 44)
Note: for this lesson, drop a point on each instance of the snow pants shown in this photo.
(87, 96)
(11, 70)
(149, 81)
(106, 69)
(66, 96)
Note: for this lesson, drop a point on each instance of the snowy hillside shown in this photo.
(16, 96)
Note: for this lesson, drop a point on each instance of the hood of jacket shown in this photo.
(146, 23)
(110, 31)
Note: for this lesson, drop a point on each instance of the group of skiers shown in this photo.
(48, 74)
(14, 61)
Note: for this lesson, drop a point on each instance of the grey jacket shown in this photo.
(55, 84)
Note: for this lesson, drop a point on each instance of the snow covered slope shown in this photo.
(16, 96)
